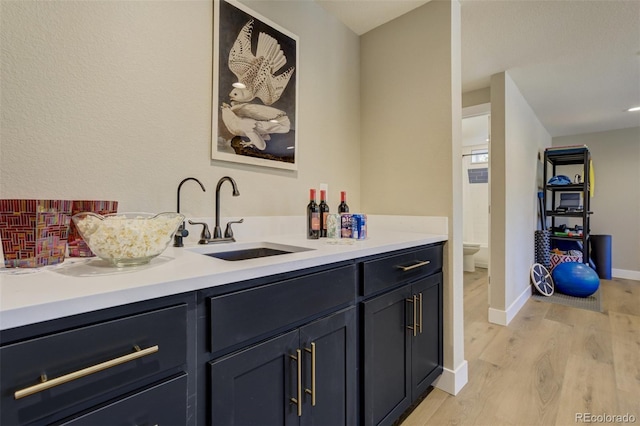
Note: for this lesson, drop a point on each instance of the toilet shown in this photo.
(469, 250)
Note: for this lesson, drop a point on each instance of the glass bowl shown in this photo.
(127, 239)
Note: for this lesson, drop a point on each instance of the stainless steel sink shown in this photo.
(245, 251)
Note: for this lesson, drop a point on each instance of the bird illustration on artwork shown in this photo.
(254, 122)
(257, 78)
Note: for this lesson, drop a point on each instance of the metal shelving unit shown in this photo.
(554, 158)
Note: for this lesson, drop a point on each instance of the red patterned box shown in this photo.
(77, 246)
(556, 259)
(34, 232)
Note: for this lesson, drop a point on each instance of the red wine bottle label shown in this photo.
(315, 221)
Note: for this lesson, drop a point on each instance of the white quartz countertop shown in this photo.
(80, 285)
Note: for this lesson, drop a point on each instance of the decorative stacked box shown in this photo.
(557, 259)
(77, 246)
(34, 232)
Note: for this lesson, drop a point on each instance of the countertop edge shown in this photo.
(123, 294)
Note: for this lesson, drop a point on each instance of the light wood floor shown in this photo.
(549, 364)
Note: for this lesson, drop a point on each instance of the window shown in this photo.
(479, 156)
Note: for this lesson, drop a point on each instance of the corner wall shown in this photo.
(411, 141)
(517, 138)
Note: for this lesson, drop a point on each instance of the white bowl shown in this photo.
(127, 239)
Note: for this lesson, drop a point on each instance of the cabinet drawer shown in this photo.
(89, 364)
(256, 313)
(163, 404)
(390, 271)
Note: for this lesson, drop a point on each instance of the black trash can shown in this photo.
(601, 254)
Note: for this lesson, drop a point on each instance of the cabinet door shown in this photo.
(254, 386)
(333, 374)
(426, 346)
(387, 389)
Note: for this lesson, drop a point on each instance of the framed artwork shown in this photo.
(255, 89)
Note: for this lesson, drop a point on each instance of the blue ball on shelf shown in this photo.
(575, 279)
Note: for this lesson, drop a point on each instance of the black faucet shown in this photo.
(217, 232)
(182, 231)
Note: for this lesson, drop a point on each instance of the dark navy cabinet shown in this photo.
(306, 376)
(426, 345)
(113, 367)
(284, 351)
(355, 342)
(387, 357)
(401, 333)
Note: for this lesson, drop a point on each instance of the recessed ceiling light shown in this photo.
(634, 109)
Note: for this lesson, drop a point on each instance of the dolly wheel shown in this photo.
(542, 279)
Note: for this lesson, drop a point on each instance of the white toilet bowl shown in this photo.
(469, 250)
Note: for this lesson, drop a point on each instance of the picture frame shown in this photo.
(254, 89)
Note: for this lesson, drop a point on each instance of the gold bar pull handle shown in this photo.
(414, 327)
(420, 312)
(298, 399)
(312, 391)
(48, 384)
(417, 265)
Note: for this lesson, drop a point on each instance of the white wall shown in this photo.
(616, 200)
(517, 138)
(112, 100)
(411, 137)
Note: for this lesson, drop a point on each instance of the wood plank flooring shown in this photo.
(550, 365)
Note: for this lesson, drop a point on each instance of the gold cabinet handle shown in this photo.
(48, 384)
(414, 327)
(298, 399)
(420, 312)
(312, 391)
(417, 265)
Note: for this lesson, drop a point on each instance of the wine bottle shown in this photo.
(313, 217)
(343, 207)
(324, 212)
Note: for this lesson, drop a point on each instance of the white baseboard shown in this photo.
(497, 316)
(500, 317)
(452, 381)
(626, 274)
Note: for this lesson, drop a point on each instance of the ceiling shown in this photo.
(577, 62)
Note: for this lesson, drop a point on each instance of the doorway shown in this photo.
(476, 137)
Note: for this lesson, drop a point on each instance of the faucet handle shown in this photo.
(228, 232)
(179, 235)
(205, 234)
(182, 231)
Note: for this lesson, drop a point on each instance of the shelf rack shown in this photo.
(553, 159)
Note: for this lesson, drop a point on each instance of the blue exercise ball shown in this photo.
(575, 279)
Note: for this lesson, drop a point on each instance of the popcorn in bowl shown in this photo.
(126, 239)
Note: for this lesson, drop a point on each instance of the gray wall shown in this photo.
(411, 135)
(616, 200)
